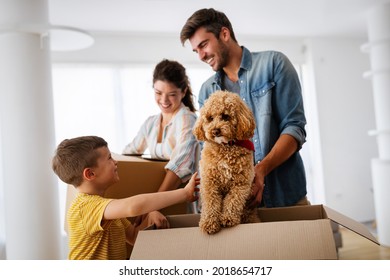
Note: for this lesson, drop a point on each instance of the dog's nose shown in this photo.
(216, 132)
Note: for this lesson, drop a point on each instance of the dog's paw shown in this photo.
(209, 227)
(228, 221)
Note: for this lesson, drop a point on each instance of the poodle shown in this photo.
(225, 124)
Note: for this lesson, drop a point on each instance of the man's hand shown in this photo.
(280, 152)
(257, 190)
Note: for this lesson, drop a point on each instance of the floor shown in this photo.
(356, 247)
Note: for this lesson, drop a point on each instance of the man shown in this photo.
(269, 85)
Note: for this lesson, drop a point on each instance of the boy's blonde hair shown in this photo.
(74, 155)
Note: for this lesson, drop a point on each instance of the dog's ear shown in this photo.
(246, 122)
(198, 129)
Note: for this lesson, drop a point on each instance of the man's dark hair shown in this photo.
(212, 20)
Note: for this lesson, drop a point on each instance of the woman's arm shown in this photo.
(139, 144)
(184, 156)
(171, 182)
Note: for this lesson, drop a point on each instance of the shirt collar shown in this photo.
(246, 60)
(246, 64)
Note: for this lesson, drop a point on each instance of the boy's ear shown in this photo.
(88, 174)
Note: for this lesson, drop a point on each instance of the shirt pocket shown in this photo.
(262, 98)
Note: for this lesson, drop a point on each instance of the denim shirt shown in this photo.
(270, 86)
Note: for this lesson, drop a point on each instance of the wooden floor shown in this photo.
(356, 247)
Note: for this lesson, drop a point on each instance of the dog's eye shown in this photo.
(225, 117)
(209, 118)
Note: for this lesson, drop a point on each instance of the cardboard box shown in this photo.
(137, 176)
(288, 233)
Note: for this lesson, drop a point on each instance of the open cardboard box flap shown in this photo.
(350, 224)
(301, 232)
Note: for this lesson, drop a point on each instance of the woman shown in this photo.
(168, 135)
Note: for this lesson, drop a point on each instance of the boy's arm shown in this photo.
(145, 203)
(153, 218)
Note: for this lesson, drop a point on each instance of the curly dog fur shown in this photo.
(226, 169)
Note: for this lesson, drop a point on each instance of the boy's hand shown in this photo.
(191, 188)
(158, 219)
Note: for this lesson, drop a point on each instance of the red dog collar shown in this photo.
(243, 143)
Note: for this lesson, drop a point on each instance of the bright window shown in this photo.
(110, 101)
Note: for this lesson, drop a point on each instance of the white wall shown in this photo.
(129, 48)
(342, 150)
(345, 115)
(121, 47)
(2, 208)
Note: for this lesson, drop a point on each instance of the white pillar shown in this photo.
(379, 50)
(27, 135)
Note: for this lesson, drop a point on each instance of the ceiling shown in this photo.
(302, 18)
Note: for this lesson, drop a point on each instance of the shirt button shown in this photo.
(241, 81)
(243, 99)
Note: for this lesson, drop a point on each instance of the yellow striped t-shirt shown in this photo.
(90, 236)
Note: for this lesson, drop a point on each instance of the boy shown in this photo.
(98, 228)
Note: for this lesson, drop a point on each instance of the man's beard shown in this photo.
(223, 56)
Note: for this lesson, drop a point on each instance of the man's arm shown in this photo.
(284, 147)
